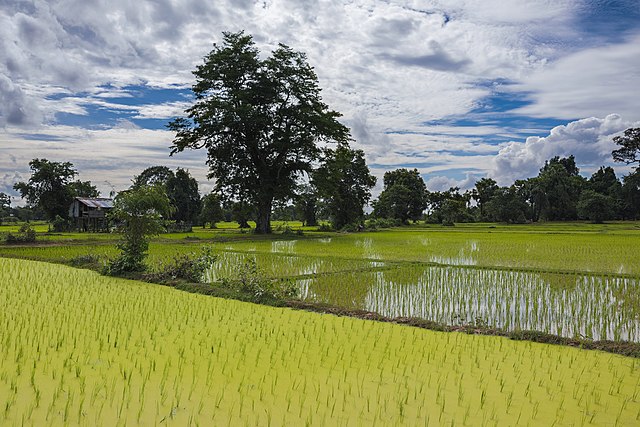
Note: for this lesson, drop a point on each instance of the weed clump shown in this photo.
(251, 282)
(26, 234)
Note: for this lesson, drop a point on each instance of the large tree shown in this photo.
(344, 183)
(51, 187)
(260, 121)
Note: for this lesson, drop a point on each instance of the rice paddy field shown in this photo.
(574, 280)
(77, 348)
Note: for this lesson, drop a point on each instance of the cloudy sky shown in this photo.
(459, 89)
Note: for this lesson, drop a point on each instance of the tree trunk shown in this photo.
(263, 221)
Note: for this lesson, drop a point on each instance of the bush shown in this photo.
(85, 260)
(251, 281)
(325, 227)
(189, 267)
(26, 234)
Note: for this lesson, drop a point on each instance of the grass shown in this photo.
(83, 349)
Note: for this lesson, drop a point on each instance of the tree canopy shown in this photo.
(344, 182)
(141, 212)
(260, 120)
(404, 196)
(629, 151)
(51, 187)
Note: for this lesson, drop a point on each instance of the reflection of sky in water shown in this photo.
(283, 246)
(466, 256)
(367, 248)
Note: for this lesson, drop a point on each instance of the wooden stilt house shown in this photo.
(89, 214)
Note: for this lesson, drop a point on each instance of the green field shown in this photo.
(82, 349)
(575, 280)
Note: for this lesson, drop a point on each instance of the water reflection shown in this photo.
(567, 305)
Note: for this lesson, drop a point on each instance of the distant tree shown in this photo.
(141, 212)
(306, 205)
(506, 205)
(241, 213)
(483, 193)
(448, 207)
(344, 182)
(630, 196)
(260, 121)
(182, 190)
(154, 175)
(630, 147)
(211, 211)
(404, 196)
(605, 182)
(5, 206)
(83, 189)
(51, 187)
(561, 183)
(595, 206)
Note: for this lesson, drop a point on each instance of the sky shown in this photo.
(458, 89)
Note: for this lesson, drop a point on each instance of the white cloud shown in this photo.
(443, 183)
(388, 66)
(589, 140)
(110, 155)
(593, 82)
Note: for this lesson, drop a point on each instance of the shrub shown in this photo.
(26, 234)
(325, 227)
(190, 267)
(85, 260)
(251, 281)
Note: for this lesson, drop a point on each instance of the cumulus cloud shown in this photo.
(443, 183)
(589, 140)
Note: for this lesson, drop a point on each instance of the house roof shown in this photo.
(98, 203)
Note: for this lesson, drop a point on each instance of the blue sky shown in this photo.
(458, 89)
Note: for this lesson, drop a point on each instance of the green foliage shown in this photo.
(48, 187)
(153, 175)
(259, 119)
(306, 205)
(140, 213)
(561, 185)
(26, 234)
(5, 206)
(51, 189)
(250, 280)
(404, 196)
(505, 205)
(595, 206)
(182, 190)
(629, 151)
(87, 260)
(484, 191)
(448, 207)
(344, 183)
(190, 267)
(211, 211)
